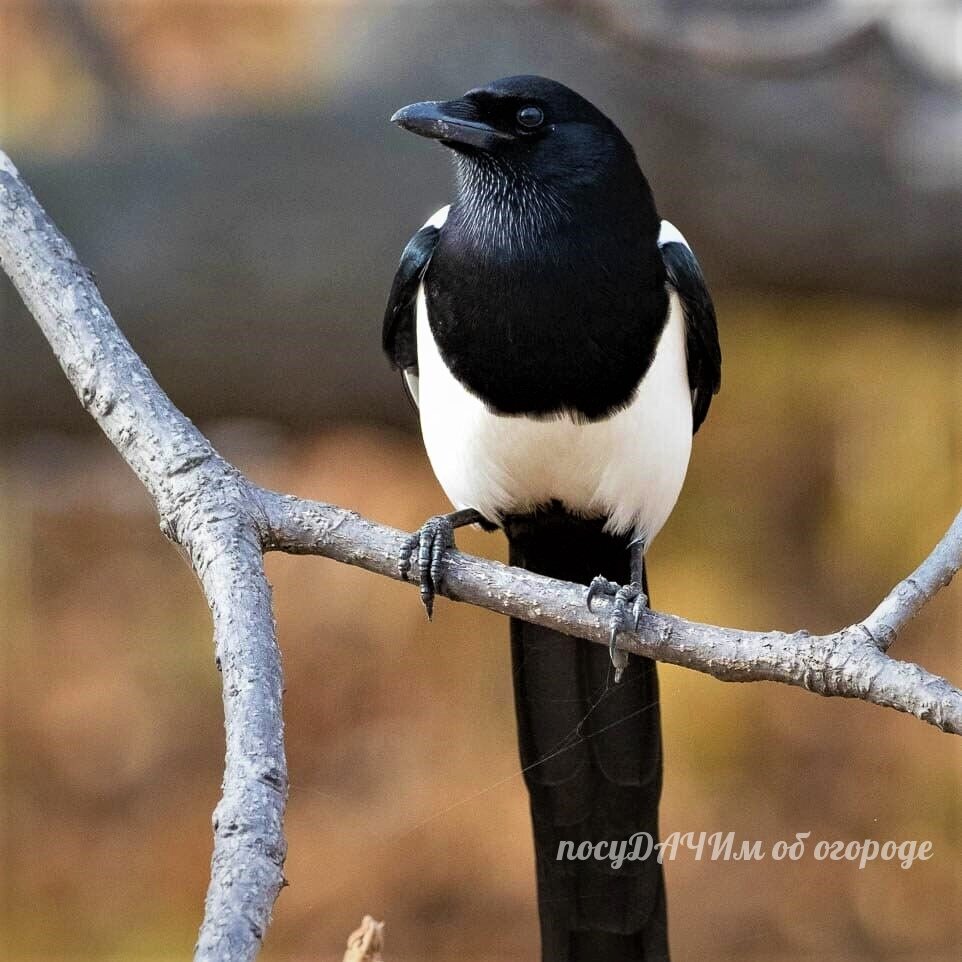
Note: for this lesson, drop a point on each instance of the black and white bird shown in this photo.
(560, 344)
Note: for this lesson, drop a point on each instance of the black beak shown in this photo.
(453, 122)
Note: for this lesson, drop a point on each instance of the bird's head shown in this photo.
(526, 129)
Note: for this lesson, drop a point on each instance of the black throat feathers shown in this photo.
(543, 301)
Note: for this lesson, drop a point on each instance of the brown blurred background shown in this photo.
(227, 171)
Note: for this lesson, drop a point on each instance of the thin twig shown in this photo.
(366, 943)
(847, 662)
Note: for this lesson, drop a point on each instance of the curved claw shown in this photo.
(613, 652)
(638, 609)
(619, 621)
(619, 616)
(429, 544)
(599, 586)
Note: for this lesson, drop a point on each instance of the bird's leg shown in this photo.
(629, 601)
(427, 547)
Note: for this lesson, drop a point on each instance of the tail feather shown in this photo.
(591, 751)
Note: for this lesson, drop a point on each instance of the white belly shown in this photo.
(628, 468)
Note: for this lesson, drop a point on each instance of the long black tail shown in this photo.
(591, 751)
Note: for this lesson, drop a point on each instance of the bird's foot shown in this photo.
(629, 601)
(424, 550)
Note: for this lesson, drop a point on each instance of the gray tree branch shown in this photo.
(224, 523)
(850, 662)
(206, 508)
(778, 42)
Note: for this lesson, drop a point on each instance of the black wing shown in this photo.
(399, 337)
(704, 352)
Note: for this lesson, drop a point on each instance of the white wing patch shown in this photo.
(438, 218)
(669, 234)
(413, 381)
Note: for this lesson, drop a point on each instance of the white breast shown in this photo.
(628, 468)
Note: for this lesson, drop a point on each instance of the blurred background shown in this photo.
(228, 172)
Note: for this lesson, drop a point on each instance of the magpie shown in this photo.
(560, 345)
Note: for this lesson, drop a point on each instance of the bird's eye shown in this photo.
(530, 117)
